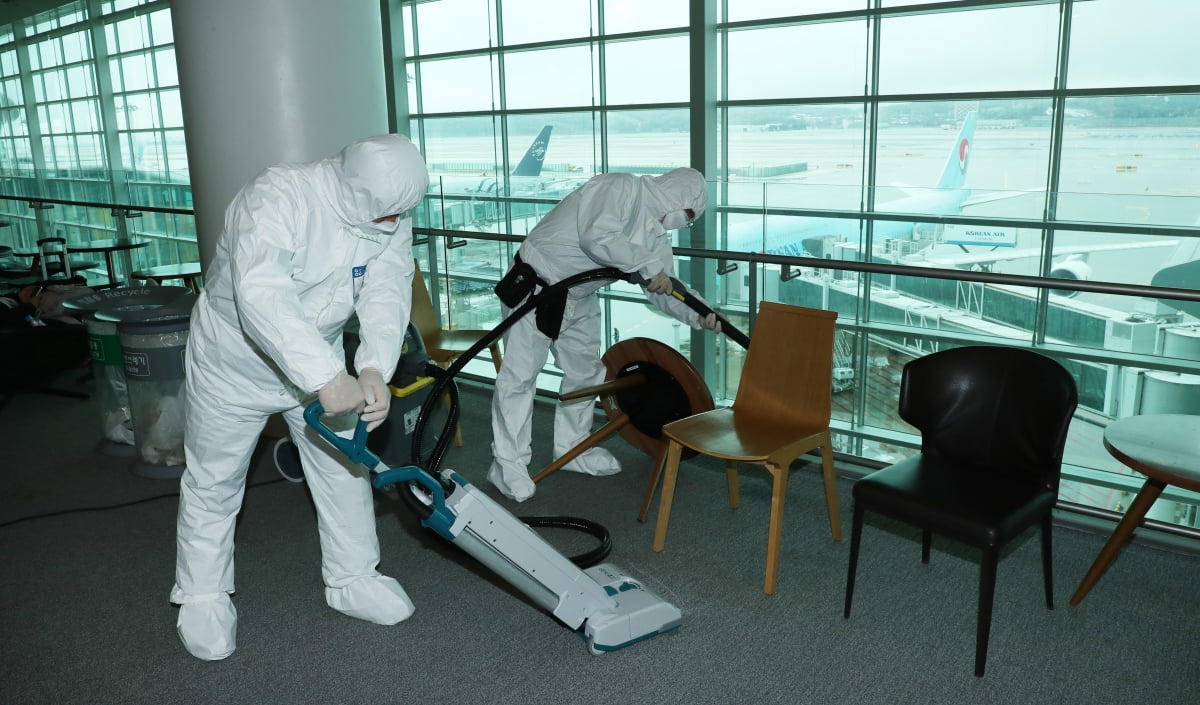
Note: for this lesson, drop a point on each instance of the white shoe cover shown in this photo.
(514, 484)
(595, 461)
(377, 599)
(208, 628)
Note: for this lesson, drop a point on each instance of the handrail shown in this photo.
(92, 204)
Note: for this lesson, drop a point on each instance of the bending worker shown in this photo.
(613, 220)
(305, 247)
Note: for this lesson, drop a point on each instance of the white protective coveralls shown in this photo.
(298, 257)
(613, 220)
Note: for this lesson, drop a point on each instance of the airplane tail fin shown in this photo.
(954, 176)
(531, 163)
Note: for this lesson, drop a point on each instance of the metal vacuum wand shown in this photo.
(680, 291)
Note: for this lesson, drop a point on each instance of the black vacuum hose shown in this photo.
(444, 381)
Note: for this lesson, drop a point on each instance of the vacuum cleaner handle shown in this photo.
(680, 291)
(356, 450)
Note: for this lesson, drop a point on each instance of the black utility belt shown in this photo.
(520, 283)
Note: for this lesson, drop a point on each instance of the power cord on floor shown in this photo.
(122, 505)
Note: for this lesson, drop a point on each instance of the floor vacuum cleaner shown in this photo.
(609, 608)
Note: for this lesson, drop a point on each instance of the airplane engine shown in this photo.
(1071, 268)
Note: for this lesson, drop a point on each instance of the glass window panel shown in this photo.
(647, 141)
(57, 119)
(165, 69)
(460, 153)
(451, 85)
(85, 115)
(160, 27)
(50, 52)
(821, 145)
(526, 21)
(549, 78)
(8, 63)
(177, 154)
(825, 59)
(930, 160)
(121, 109)
(141, 110)
(170, 107)
(110, 6)
(453, 25)
(572, 154)
(60, 152)
(148, 153)
(1133, 42)
(135, 73)
(1130, 159)
(81, 81)
(970, 51)
(115, 77)
(11, 92)
(130, 35)
(639, 15)
(47, 86)
(91, 151)
(738, 10)
(12, 122)
(76, 47)
(647, 71)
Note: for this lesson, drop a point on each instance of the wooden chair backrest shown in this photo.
(423, 316)
(787, 377)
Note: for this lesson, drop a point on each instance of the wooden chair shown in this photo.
(993, 423)
(444, 346)
(781, 411)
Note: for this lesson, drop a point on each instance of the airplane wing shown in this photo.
(976, 199)
(992, 256)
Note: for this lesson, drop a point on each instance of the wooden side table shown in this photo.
(1163, 447)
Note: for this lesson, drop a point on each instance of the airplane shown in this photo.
(814, 237)
(818, 237)
(525, 177)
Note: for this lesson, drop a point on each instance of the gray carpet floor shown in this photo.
(88, 560)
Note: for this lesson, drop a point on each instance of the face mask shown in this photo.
(675, 220)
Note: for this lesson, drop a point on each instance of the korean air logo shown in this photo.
(964, 149)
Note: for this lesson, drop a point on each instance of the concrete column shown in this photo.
(270, 81)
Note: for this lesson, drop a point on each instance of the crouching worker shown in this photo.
(305, 247)
(613, 220)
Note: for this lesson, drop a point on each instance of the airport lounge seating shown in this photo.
(993, 423)
(781, 411)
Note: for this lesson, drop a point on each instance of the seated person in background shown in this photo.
(37, 306)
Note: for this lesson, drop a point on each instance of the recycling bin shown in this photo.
(153, 346)
(108, 364)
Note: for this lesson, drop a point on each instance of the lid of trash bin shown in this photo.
(172, 316)
(131, 297)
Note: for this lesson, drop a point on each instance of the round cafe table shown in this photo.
(1163, 447)
(111, 248)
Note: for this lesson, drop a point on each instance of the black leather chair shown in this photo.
(993, 423)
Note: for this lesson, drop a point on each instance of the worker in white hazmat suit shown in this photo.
(614, 220)
(305, 247)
